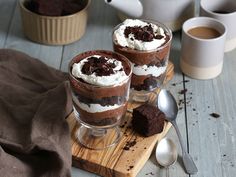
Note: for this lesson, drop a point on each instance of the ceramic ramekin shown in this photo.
(54, 30)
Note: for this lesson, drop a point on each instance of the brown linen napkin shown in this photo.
(34, 135)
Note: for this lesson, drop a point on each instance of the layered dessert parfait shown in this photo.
(100, 82)
(147, 45)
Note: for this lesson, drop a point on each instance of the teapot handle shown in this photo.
(133, 8)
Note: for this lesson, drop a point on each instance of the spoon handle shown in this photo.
(188, 162)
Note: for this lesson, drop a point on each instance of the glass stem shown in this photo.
(98, 132)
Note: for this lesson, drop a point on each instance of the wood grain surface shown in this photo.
(118, 161)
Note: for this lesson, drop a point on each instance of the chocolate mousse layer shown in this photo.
(106, 118)
(102, 101)
(100, 105)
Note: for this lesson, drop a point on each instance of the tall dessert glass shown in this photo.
(147, 45)
(100, 82)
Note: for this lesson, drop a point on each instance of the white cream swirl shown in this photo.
(114, 79)
(143, 70)
(133, 43)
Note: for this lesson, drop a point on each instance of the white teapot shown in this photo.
(172, 13)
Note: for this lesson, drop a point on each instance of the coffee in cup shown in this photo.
(202, 51)
(204, 32)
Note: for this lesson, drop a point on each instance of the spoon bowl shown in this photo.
(166, 152)
(167, 104)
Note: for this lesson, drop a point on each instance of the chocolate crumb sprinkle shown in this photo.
(182, 91)
(215, 115)
(99, 66)
(144, 33)
(129, 144)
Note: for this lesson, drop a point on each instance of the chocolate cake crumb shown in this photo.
(126, 148)
(99, 66)
(182, 91)
(151, 173)
(177, 83)
(145, 33)
(215, 115)
(130, 167)
(174, 84)
(129, 144)
(122, 126)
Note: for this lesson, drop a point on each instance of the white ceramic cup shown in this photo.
(202, 58)
(225, 12)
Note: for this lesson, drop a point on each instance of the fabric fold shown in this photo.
(34, 134)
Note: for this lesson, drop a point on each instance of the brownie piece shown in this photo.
(49, 7)
(55, 7)
(148, 120)
(72, 6)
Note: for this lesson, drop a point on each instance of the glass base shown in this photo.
(139, 96)
(98, 139)
(144, 96)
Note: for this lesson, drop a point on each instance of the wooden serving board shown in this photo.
(124, 159)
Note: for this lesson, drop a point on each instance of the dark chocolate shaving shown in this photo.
(99, 66)
(145, 33)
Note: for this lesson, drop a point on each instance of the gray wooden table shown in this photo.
(210, 141)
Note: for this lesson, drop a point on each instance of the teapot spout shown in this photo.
(133, 8)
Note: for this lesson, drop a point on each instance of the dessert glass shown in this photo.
(149, 66)
(99, 109)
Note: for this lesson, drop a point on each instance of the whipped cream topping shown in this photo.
(143, 70)
(117, 76)
(132, 42)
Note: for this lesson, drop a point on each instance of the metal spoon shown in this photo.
(166, 153)
(167, 104)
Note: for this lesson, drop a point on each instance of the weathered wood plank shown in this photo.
(212, 140)
(6, 11)
(51, 55)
